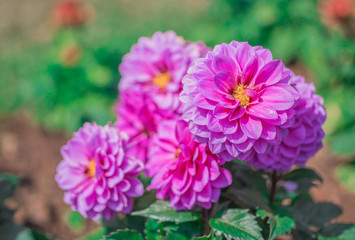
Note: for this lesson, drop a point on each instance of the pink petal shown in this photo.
(277, 97)
(262, 110)
(224, 82)
(251, 126)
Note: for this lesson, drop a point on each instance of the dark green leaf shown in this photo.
(124, 234)
(237, 223)
(334, 229)
(162, 211)
(317, 214)
(302, 173)
(247, 197)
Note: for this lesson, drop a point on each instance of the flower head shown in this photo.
(150, 86)
(138, 116)
(237, 99)
(156, 66)
(303, 138)
(98, 178)
(184, 170)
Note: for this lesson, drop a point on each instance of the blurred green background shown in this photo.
(59, 61)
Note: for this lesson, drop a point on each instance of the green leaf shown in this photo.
(97, 234)
(267, 231)
(334, 229)
(284, 225)
(248, 197)
(7, 186)
(76, 221)
(238, 224)
(316, 214)
(162, 211)
(348, 234)
(302, 173)
(151, 229)
(345, 173)
(124, 234)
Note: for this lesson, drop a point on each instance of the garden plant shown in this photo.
(219, 136)
(204, 140)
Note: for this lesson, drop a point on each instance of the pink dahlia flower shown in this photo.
(156, 66)
(303, 138)
(98, 178)
(150, 86)
(237, 99)
(139, 117)
(184, 170)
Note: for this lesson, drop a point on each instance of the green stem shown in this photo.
(273, 189)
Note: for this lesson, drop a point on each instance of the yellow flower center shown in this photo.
(162, 80)
(91, 169)
(178, 151)
(240, 94)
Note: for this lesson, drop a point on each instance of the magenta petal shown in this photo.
(224, 82)
(238, 113)
(223, 180)
(207, 90)
(260, 146)
(223, 62)
(221, 112)
(251, 126)
(270, 74)
(277, 97)
(262, 110)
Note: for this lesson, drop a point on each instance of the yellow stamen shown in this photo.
(240, 94)
(162, 80)
(178, 151)
(91, 169)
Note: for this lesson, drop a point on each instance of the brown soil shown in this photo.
(32, 153)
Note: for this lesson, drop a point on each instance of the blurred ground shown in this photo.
(32, 153)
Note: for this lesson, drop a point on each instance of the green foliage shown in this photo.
(302, 173)
(279, 224)
(97, 234)
(345, 173)
(75, 221)
(238, 224)
(124, 234)
(162, 211)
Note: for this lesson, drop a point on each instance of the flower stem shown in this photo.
(273, 190)
(205, 216)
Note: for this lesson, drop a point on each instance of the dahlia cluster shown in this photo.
(151, 84)
(183, 112)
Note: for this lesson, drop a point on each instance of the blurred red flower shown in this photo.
(71, 13)
(335, 13)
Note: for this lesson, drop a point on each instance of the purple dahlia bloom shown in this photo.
(184, 170)
(138, 116)
(303, 138)
(150, 86)
(98, 177)
(237, 99)
(156, 66)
